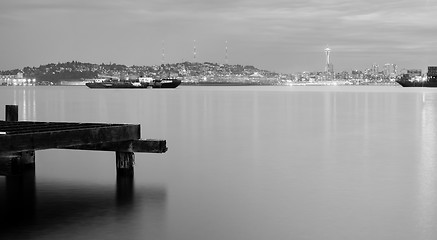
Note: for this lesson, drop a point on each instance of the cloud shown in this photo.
(279, 26)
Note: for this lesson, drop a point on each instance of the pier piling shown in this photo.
(124, 162)
(15, 163)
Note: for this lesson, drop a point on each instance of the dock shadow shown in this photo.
(28, 209)
(18, 200)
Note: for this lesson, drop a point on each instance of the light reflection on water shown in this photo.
(25, 97)
(243, 163)
(426, 170)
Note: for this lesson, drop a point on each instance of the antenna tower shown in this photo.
(163, 53)
(194, 51)
(226, 52)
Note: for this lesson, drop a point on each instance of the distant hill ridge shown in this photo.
(74, 70)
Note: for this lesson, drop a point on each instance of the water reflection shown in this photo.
(125, 190)
(20, 199)
(47, 210)
(427, 164)
(25, 98)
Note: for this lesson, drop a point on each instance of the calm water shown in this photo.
(243, 163)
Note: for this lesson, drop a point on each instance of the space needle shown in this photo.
(329, 68)
(327, 51)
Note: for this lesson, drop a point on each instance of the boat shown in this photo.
(431, 80)
(137, 83)
(165, 83)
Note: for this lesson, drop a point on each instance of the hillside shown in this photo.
(189, 71)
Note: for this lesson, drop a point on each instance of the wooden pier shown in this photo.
(20, 139)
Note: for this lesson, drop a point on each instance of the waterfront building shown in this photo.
(342, 75)
(414, 72)
(357, 74)
(15, 79)
(432, 71)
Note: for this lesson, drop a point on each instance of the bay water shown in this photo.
(259, 162)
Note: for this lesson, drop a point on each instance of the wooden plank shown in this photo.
(30, 127)
(140, 145)
(69, 137)
(150, 146)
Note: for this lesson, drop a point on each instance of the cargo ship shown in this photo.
(137, 83)
(431, 79)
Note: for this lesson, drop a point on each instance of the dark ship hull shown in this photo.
(417, 83)
(166, 83)
(162, 83)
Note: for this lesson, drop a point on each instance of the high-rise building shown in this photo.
(375, 69)
(357, 74)
(390, 70)
(432, 73)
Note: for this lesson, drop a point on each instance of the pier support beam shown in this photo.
(15, 163)
(124, 162)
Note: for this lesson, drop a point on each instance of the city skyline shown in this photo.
(329, 67)
(276, 35)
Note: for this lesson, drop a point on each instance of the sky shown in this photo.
(284, 36)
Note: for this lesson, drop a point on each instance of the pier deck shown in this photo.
(19, 140)
(23, 135)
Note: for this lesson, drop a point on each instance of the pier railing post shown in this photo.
(15, 163)
(11, 113)
(124, 162)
